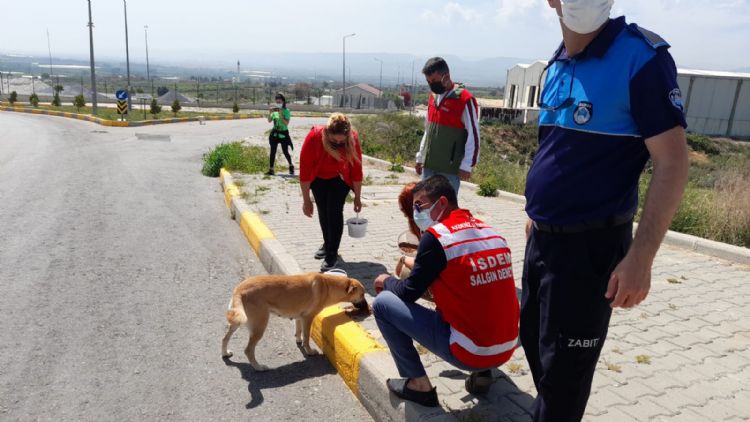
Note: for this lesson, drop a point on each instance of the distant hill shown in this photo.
(362, 67)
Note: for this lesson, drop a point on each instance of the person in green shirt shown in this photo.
(280, 116)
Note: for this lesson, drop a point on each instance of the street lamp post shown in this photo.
(343, 69)
(148, 69)
(380, 85)
(127, 53)
(91, 56)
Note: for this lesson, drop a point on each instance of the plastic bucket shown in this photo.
(357, 227)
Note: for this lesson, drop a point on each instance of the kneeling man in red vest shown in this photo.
(467, 266)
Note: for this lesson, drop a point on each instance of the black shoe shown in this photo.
(321, 252)
(291, 170)
(399, 388)
(479, 382)
(270, 172)
(327, 266)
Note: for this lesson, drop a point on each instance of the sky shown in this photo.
(704, 34)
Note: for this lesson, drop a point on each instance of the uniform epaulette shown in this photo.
(653, 39)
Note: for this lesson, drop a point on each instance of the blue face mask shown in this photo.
(423, 218)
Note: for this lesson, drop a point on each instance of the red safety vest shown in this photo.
(446, 134)
(476, 293)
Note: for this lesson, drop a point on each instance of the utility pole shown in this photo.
(148, 69)
(343, 69)
(238, 82)
(127, 53)
(380, 86)
(91, 59)
(49, 49)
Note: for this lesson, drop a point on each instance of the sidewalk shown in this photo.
(691, 336)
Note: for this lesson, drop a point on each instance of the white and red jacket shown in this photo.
(476, 293)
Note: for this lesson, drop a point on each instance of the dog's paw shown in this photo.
(228, 354)
(259, 368)
(311, 352)
(298, 341)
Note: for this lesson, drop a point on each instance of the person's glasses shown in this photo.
(567, 102)
(420, 207)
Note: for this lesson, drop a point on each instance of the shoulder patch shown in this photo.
(653, 39)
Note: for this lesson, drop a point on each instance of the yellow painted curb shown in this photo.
(230, 190)
(344, 342)
(255, 230)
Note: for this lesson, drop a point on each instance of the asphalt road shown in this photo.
(117, 260)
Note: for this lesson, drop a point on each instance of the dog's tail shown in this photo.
(236, 311)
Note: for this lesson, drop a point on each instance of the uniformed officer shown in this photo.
(610, 102)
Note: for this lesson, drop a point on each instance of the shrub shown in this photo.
(155, 108)
(34, 100)
(56, 99)
(488, 188)
(176, 107)
(79, 101)
(235, 156)
(702, 143)
(235, 108)
(13, 97)
(161, 90)
(390, 136)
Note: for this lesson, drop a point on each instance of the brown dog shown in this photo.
(300, 297)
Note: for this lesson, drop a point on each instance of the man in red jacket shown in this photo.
(467, 266)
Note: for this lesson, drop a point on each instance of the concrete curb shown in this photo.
(117, 123)
(357, 357)
(703, 246)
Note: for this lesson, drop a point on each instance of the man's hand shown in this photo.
(464, 175)
(379, 283)
(630, 281)
(307, 207)
(418, 168)
(357, 204)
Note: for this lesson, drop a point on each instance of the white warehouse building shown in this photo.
(716, 103)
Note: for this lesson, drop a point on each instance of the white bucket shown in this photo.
(357, 227)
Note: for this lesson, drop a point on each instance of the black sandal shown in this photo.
(398, 387)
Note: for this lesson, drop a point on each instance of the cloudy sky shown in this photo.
(704, 34)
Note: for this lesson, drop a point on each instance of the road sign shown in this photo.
(122, 107)
(121, 95)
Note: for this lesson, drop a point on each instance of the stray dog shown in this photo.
(300, 297)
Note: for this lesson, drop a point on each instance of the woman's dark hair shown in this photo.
(435, 64)
(280, 96)
(435, 187)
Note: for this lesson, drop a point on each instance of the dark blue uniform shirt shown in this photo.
(597, 108)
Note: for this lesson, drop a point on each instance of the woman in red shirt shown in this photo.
(331, 166)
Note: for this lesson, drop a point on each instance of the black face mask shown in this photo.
(437, 87)
(334, 145)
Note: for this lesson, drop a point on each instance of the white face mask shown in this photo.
(423, 219)
(585, 16)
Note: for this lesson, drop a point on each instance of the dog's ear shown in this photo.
(349, 286)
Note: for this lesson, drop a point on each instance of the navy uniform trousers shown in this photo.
(564, 314)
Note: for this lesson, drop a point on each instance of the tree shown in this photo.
(161, 90)
(155, 108)
(13, 97)
(34, 100)
(79, 101)
(176, 107)
(56, 98)
(235, 108)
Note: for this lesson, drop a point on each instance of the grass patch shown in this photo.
(613, 367)
(235, 156)
(672, 280)
(515, 368)
(487, 188)
(643, 359)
